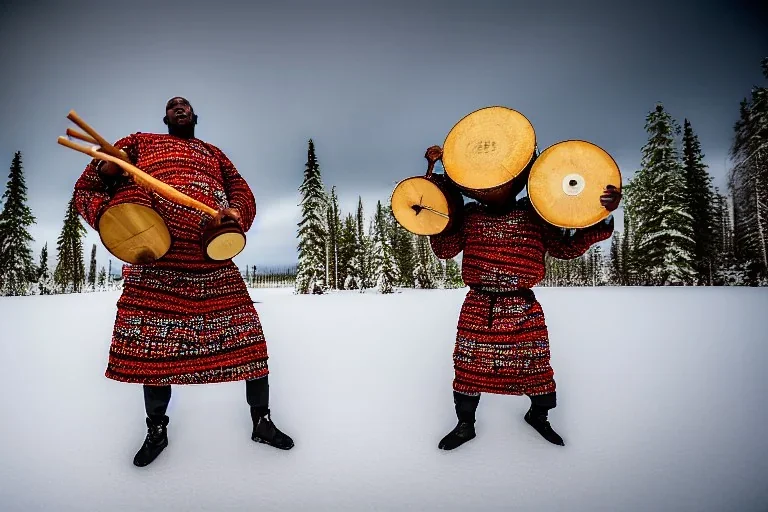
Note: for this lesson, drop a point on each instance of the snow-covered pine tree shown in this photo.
(247, 275)
(403, 248)
(663, 242)
(748, 182)
(596, 266)
(615, 271)
(453, 277)
(385, 267)
(92, 270)
(366, 248)
(45, 284)
(699, 195)
(334, 232)
(17, 269)
(102, 280)
(349, 271)
(424, 271)
(69, 275)
(628, 271)
(312, 228)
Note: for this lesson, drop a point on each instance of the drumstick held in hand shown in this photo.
(141, 178)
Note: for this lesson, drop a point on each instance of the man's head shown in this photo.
(180, 117)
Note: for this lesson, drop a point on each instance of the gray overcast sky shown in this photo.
(373, 84)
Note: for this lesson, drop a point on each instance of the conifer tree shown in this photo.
(364, 243)
(698, 203)
(663, 242)
(102, 278)
(383, 260)
(347, 252)
(45, 284)
(312, 228)
(334, 228)
(404, 250)
(69, 275)
(92, 270)
(17, 269)
(615, 271)
(424, 272)
(748, 182)
(453, 277)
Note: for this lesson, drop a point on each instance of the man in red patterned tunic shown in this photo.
(502, 345)
(182, 319)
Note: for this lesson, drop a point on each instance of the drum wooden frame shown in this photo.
(487, 150)
(566, 182)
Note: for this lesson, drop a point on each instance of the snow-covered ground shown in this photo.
(667, 414)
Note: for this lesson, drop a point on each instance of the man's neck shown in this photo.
(184, 133)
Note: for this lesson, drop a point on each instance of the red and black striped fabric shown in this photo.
(182, 319)
(502, 343)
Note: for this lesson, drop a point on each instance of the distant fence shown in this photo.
(280, 277)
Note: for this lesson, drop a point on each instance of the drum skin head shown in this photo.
(488, 148)
(134, 233)
(567, 180)
(420, 191)
(225, 246)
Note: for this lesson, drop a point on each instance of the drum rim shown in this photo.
(533, 204)
(532, 158)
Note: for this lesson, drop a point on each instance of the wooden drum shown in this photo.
(131, 230)
(426, 205)
(567, 180)
(487, 150)
(223, 241)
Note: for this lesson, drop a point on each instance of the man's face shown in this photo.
(179, 112)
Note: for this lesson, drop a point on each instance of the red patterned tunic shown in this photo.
(181, 319)
(502, 344)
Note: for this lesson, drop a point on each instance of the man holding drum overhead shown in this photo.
(502, 343)
(183, 318)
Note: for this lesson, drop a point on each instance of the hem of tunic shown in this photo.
(185, 378)
(542, 389)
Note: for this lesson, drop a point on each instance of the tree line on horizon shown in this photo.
(678, 229)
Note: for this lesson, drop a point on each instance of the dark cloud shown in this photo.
(373, 85)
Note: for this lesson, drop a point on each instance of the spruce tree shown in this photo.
(69, 275)
(663, 242)
(615, 271)
(383, 261)
(347, 251)
(17, 269)
(698, 199)
(748, 182)
(365, 245)
(312, 228)
(92, 270)
(453, 277)
(102, 278)
(45, 284)
(403, 247)
(332, 242)
(424, 272)
(247, 275)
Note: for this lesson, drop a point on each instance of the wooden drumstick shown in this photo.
(71, 132)
(142, 179)
(101, 141)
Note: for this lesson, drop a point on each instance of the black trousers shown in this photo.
(157, 398)
(466, 405)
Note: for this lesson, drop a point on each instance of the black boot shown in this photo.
(155, 442)
(537, 418)
(264, 431)
(464, 431)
